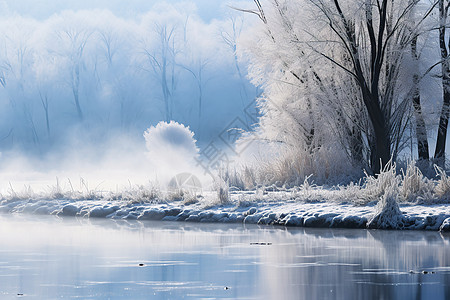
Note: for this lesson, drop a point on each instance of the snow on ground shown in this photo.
(270, 208)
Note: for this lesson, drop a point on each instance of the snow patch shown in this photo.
(445, 225)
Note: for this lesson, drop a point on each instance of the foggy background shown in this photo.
(81, 81)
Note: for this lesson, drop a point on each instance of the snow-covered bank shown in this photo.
(389, 201)
(276, 211)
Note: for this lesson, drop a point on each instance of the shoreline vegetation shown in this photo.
(408, 201)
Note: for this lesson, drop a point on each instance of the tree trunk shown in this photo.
(421, 131)
(44, 101)
(356, 145)
(75, 90)
(439, 154)
(381, 145)
(77, 104)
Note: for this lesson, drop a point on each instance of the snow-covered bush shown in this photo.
(414, 186)
(222, 189)
(139, 194)
(442, 190)
(185, 195)
(171, 150)
(376, 187)
(239, 177)
(353, 193)
(410, 186)
(289, 167)
(170, 141)
(388, 214)
(15, 195)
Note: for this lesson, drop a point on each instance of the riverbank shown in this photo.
(239, 209)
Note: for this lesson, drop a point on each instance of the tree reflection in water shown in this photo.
(46, 257)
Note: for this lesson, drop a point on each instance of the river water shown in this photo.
(48, 258)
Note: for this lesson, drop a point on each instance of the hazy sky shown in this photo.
(207, 9)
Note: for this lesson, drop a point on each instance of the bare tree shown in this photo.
(17, 80)
(162, 63)
(197, 73)
(230, 39)
(111, 45)
(75, 40)
(45, 106)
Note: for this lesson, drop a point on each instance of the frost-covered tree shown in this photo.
(336, 68)
(434, 30)
(439, 154)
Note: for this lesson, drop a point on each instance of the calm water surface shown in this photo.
(49, 258)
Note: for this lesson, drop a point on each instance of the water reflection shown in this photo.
(360, 265)
(97, 259)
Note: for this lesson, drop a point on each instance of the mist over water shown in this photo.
(81, 81)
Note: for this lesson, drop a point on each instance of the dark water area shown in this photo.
(50, 258)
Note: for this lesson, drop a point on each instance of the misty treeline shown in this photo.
(87, 76)
(351, 84)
